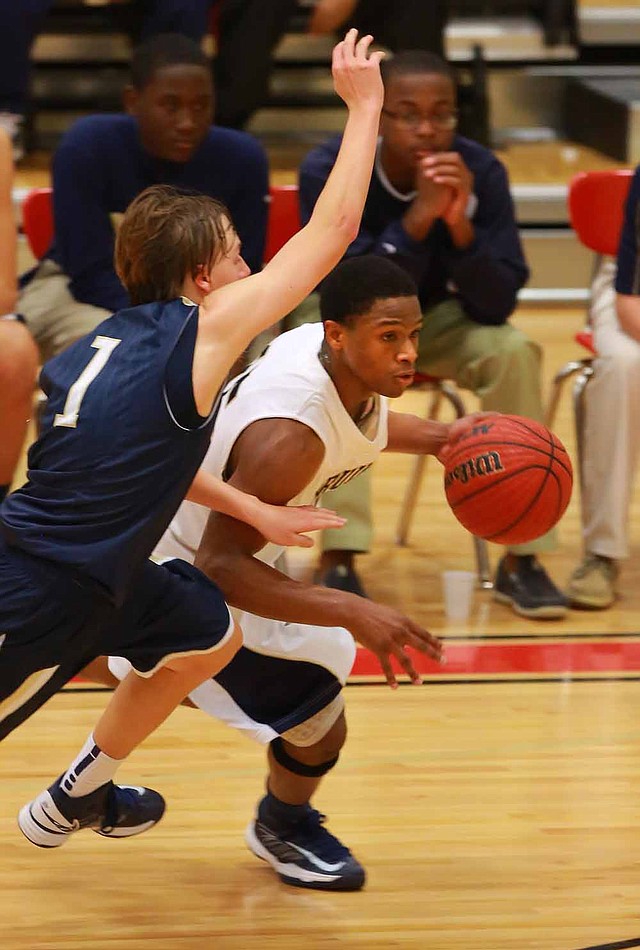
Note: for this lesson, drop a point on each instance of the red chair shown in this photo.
(37, 220)
(596, 203)
(284, 218)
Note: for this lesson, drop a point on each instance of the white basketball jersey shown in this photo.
(286, 382)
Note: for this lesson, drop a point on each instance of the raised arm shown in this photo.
(233, 315)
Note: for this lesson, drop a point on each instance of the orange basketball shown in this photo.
(508, 479)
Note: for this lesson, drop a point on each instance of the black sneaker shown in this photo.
(306, 854)
(342, 577)
(529, 590)
(115, 811)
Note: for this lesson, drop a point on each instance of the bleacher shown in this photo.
(553, 85)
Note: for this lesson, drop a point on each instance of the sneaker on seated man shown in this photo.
(593, 584)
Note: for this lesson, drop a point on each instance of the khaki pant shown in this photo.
(54, 317)
(499, 364)
(612, 426)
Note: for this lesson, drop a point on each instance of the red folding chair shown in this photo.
(284, 218)
(596, 203)
(37, 220)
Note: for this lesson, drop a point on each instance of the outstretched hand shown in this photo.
(386, 632)
(287, 525)
(356, 71)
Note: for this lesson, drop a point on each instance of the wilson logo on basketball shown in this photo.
(485, 464)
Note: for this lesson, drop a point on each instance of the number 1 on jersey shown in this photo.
(105, 345)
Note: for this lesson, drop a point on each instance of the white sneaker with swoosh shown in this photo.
(305, 854)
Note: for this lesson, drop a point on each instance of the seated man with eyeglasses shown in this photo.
(440, 206)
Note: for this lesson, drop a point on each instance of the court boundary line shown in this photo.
(617, 945)
(434, 681)
(484, 637)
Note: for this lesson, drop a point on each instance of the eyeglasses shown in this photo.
(442, 121)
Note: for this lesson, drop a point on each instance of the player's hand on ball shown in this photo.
(386, 632)
(460, 426)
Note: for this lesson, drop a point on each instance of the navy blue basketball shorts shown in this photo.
(173, 610)
(52, 625)
(286, 680)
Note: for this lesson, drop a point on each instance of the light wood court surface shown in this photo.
(495, 807)
(493, 811)
(489, 818)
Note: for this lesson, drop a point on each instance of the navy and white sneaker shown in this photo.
(305, 854)
(115, 811)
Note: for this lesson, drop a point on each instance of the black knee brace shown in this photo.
(283, 758)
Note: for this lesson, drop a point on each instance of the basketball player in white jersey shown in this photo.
(307, 416)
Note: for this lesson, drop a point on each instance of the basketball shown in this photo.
(508, 479)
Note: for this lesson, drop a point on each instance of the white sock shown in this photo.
(89, 770)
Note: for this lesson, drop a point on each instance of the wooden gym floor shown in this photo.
(495, 807)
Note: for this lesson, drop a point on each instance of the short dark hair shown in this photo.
(415, 61)
(352, 288)
(164, 49)
(167, 234)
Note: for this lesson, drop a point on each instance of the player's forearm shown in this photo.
(409, 433)
(257, 588)
(213, 493)
(339, 207)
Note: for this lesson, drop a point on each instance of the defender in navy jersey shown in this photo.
(129, 422)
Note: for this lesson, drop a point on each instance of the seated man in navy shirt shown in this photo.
(165, 136)
(21, 22)
(440, 205)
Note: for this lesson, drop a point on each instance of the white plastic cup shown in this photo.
(458, 587)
